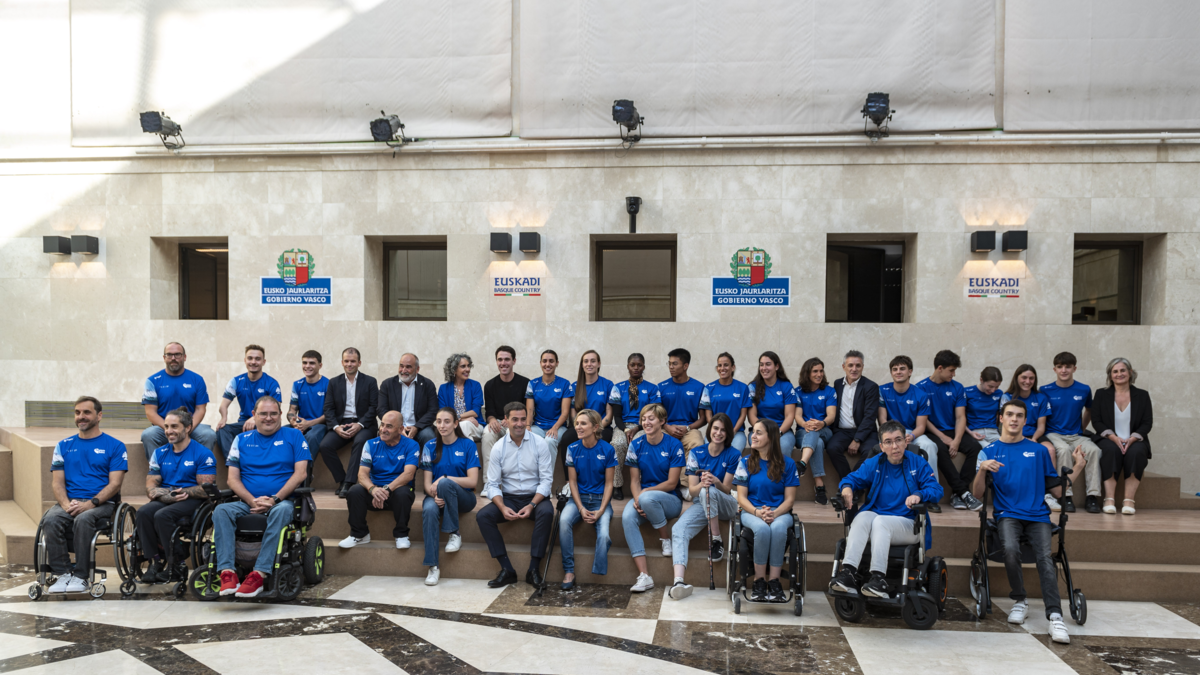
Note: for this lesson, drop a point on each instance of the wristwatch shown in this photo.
(276, 498)
(95, 502)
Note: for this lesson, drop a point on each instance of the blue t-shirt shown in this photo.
(267, 463)
(386, 462)
(773, 401)
(730, 399)
(944, 398)
(86, 463)
(179, 469)
(682, 401)
(655, 461)
(700, 460)
(1037, 406)
(598, 394)
(904, 408)
(472, 398)
(1019, 487)
(171, 392)
(1066, 407)
(310, 398)
(590, 465)
(456, 459)
(246, 393)
(547, 400)
(760, 489)
(619, 396)
(813, 404)
(982, 408)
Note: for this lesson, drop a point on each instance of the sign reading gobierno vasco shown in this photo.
(750, 283)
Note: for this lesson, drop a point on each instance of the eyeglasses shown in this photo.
(895, 442)
(173, 356)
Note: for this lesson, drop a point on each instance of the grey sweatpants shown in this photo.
(883, 532)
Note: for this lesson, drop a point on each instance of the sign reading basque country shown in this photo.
(296, 283)
(751, 283)
(993, 287)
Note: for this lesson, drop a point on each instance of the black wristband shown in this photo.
(95, 501)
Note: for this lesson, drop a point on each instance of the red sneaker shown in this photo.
(229, 582)
(252, 586)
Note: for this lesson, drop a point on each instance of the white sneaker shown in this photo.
(666, 545)
(679, 591)
(77, 585)
(403, 543)
(352, 541)
(1058, 630)
(643, 584)
(1052, 502)
(1018, 612)
(454, 543)
(434, 575)
(60, 584)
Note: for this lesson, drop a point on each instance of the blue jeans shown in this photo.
(225, 522)
(787, 441)
(769, 540)
(227, 433)
(552, 442)
(458, 500)
(709, 500)
(816, 440)
(739, 441)
(313, 437)
(154, 438)
(659, 506)
(566, 533)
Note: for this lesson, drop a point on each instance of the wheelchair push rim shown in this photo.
(130, 562)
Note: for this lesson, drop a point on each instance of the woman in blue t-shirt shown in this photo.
(655, 461)
(547, 401)
(727, 395)
(818, 410)
(766, 488)
(627, 400)
(462, 394)
(591, 463)
(1024, 388)
(588, 392)
(774, 398)
(450, 464)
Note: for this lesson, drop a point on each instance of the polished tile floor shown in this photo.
(398, 625)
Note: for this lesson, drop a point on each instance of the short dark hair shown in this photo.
(1064, 359)
(891, 427)
(901, 360)
(513, 407)
(185, 417)
(357, 353)
(991, 374)
(312, 354)
(682, 354)
(266, 398)
(91, 399)
(1012, 402)
(946, 359)
(505, 348)
(250, 348)
(853, 354)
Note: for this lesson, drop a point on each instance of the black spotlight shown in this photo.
(165, 127)
(389, 129)
(877, 110)
(627, 118)
(632, 206)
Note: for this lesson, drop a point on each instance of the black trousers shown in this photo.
(837, 446)
(489, 518)
(568, 436)
(156, 521)
(960, 481)
(1132, 464)
(358, 501)
(332, 443)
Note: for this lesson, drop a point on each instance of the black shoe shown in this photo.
(534, 578)
(716, 552)
(774, 591)
(343, 489)
(821, 497)
(801, 467)
(933, 507)
(151, 575)
(1068, 505)
(1092, 505)
(619, 494)
(845, 582)
(504, 578)
(760, 593)
(568, 585)
(877, 586)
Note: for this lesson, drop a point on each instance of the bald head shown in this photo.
(391, 427)
(409, 367)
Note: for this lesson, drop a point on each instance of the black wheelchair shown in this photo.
(187, 543)
(299, 559)
(917, 582)
(739, 565)
(115, 531)
(990, 549)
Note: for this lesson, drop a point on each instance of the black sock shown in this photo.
(506, 564)
(534, 563)
(850, 568)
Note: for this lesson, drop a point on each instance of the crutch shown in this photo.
(560, 502)
(712, 586)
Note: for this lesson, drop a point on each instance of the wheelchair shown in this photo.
(739, 565)
(186, 544)
(917, 581)
(115, 531)
(299, 560)
(990, 549)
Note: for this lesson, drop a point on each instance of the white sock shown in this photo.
(716, 537)
(678, 580)
(1056, 617)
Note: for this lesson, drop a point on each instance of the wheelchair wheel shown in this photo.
(920, 617)
(737, 603)
(850, 609)
(97, 591)
(128, 588)
(800, 575)
(798, 609)
(289, 581)
(128, 557)
(731, 563)
(1078, 607)
(179, 590)
(205, 584)
(35, 592)
(202, 536)
(938, 582)
(313, 561)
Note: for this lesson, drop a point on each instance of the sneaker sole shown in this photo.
(431, 583)
(640, 590)
(843, 589)
(679, 592)
(872, 594)
(1064, 641)
(1017, 623)
(253, 594)
(230, 591)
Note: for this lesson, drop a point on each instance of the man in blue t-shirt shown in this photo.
(907, 404)
(171, 388)
(86, 474)
(177, 471)
(307, 410)
(983, 405)
(385, 482)
(265, 465)
(948, 429)
(1021, 475)
(246, 389)
(1070, 414)
(680, 395)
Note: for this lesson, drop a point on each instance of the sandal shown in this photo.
(1110, 507)
(1128, 508)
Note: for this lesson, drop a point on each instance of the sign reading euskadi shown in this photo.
(993, 287)
(296, 284)
(750, 283)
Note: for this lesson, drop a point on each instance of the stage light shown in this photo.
(530, 242)
(164, 127)
(389, 129)
(632, 206)
(56, 245)
(82, 243)
(627, 119)
(878, 110)
(983, 241)
(1014, 240)
(501, 242)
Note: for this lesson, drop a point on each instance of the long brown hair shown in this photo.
(1014, 387)
(581, 381)
(437, 449)
(760, 386)
(774, 453)
(806, 383)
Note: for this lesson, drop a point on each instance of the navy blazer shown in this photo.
(866, 407)
(425, 402)
(366, 398)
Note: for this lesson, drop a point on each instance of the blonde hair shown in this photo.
(593, 417)
(1113, 363)
(657, 408)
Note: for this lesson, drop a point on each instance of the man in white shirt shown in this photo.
(854, 431)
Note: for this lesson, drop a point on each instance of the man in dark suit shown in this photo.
(412, 395)
(858, 405)
(350, 403)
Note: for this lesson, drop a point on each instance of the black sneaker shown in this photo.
(717, 551)
(956, 502)
(821, 497)
(801, 467)
(933, 507)
(970, 502)
(877, 586)
(1068, 505)
(150, 576)
(775, 591)
(618, 494)
(760, 593)
(1092, 505)
(844, 582)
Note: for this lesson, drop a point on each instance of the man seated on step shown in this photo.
(519, 478)
(171, 388)
(85, 475)
(385, 482)
(173, 484)
(265, 465)
(1022, 472)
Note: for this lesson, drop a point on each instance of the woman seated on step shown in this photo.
(591, 465)
(450, 464)
(655, 461)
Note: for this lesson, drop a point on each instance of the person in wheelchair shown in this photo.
(896, 481)
(86, 474)
(265, 465)
(173, 484)
(1022, 473)
(766, 489)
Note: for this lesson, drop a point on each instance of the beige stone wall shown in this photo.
(98, 326)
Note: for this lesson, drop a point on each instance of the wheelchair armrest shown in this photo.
(920, 512)
(226, 495)
(302, 491)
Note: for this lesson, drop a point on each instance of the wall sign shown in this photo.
(296, 284)
(751, 283)
(506, 286)
(993, 287)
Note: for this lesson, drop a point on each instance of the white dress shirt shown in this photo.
(522, 469)
(846, 405)
(351, 412)
(1121, 419)
(407, 396)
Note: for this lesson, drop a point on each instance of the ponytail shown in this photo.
(437, 449)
